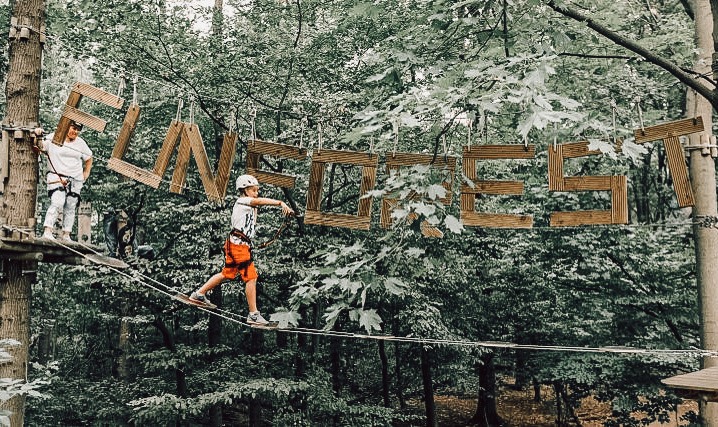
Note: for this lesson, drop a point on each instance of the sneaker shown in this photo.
(256, 319)
(48, 236)
(66, 238)
(199, 297)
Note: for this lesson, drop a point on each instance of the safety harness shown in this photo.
(65, 180)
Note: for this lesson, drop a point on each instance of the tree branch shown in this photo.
(649, 56)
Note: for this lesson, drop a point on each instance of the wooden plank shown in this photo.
(131, 171)
(272, 178)
(555, 168)
(587, 183)
(411, 159)
(468, 200)
(577, 149)
(168, 147)
(619, 199)
(667, 130)
(337, 220)
(428, 230)
(387, 207)
(253, 161)
(348, 157)
(368, 180)
(679, 172)
(63, 125)
(277, 150)
(98, 95)
(496, 152)
(128, 128)
(191, 133)
(84, 118)
(180, 173)
(316, 186)
(494, 188)
(495, 220)
(702, 380)
(224, 166)
(575, 218)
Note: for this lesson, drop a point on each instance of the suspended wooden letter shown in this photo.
(617, 185)
(72, 113)
(397, 160)
(669, 133)
(191, 143)
(117, 164)
(257, 149)
(313, 214)
(468, 192)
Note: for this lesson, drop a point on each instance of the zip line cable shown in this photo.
(233, 317)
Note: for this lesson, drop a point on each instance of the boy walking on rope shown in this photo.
(68, 167)
(238, 246)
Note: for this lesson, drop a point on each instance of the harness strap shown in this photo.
(241, 236)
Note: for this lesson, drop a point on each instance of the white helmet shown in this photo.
(244, 181)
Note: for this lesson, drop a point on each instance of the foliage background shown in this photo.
(386, 76)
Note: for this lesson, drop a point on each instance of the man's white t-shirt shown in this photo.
(244, 218)
(68, 159)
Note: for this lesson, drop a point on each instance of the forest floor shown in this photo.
(518, 409)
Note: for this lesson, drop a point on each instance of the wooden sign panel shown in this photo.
(71, 113)
(320, 159)
(669, 133)
(617, 185)
(257, 149)
(395, 161)
(471, 154)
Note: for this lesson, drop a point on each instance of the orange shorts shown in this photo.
(238, 260)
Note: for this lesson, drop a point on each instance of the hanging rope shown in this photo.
(232, 119)
(191, 110)
(301, 131)
(134, 90)
(253, 134)
(319, 138)
(640, 114)
(180, 105)
(396, 137)
(121, 85)
(469, 124)
(614, 107)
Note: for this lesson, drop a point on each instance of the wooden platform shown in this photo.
(699, 385)
(58, 251)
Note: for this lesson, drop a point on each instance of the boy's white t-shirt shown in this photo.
(68, 159)
(244, 218)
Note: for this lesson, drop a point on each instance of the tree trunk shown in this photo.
(22, 92)
(123, 345)
(702, 172)
(486, 414)
(46, 342)
(214, 339)
(429, 404)
(255, 405)
(385, 383)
